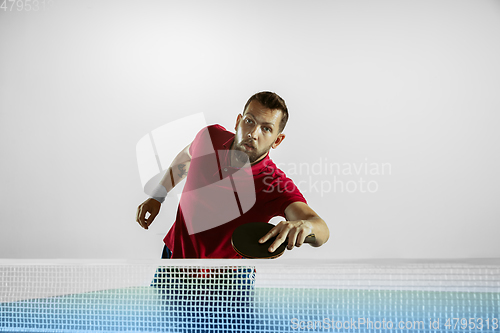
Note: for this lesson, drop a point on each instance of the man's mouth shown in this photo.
(249, 146)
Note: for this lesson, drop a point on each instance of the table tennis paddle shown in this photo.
(245, 241)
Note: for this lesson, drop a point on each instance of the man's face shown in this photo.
(257, 131)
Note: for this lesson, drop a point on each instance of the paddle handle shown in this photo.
(310, 239)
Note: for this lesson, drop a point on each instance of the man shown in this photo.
(215, 159)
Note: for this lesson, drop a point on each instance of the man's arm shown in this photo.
(302, 221)
(175, 174)
(178, 170)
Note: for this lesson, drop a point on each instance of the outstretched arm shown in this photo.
(178, 170)
(175, 174)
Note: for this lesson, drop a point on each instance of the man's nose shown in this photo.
(254, 132)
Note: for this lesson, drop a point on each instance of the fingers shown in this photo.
(141, 214)
(276, 231)
(273, 232)
(150, 220)
(148, 206)
(278, 241)
(294, 233)
(292, 239)
(301, 238)
(281, 230)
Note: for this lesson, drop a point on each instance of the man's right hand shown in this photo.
(150, 206)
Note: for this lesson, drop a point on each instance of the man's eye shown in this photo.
(267, 129)
(248, 121)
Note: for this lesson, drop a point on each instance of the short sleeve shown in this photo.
(290, 195)
(203, 143)
(196, 141)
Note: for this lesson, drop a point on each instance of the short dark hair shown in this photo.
(272, 101)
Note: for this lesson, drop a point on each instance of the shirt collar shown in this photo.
(262, 165)
(228, 143)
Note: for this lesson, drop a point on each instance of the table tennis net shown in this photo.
(253, 296)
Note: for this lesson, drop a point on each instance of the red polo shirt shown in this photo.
(217, 198)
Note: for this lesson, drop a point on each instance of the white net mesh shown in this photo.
(250, 296)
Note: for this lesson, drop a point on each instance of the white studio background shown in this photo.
(405, 94)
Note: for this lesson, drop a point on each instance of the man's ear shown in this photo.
(237, 121)
(278, 140)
